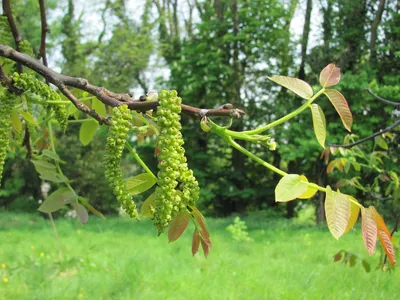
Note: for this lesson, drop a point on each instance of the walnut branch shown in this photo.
(107, 97)
(43, 33)
(17, 38)
(390, 128)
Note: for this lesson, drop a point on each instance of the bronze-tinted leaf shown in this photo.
(369, 228)
(200, 219)
(338, 256)
(329, 76)
(205, 247)
(195, 242)
(385, 237)
(178, 225)
(342, 107)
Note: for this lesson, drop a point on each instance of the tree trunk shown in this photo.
(304, 40)
(374, 31)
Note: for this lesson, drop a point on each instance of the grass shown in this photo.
(122, 259)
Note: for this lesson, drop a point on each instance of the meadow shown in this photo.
(120, 258)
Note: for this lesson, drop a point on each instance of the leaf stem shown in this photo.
(253, 156)
(285, 118)
(139, 160)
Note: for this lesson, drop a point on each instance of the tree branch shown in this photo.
(44, 32)
(17, 38)
(395, 124)
(107, 97)
(382, 99)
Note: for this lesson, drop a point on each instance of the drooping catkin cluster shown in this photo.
(177, 187)
(117, 134)
(7, 101)
(29, 83)
(26, 47)
(5, 31)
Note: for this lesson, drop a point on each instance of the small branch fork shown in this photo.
(387, 129)
(107, 97)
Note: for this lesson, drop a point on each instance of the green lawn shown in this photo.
(120, 258)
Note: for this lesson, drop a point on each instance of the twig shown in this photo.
(107, 97)
(395, 124)
(382, 99)
(43, 33)
(17, 38)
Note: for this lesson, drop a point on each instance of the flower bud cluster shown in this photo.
(7, 101)
(117, 135)
(29, 83)
(26, 47)
(176, 186)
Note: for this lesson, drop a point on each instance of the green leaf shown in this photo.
(380, 141)
(319, 123)
(337, 211)
(366, 266)
(342, 107)
(87, 131)
(94, 211)
(310, 190)
(329, 76)
(16, 121)
(178, 225)
(148, 206)
(290, 187)
(41, 166)
(140, 183)
(72, 109)
(28, 117)
(53, 176)
(297, 86)
(99, 107)
(52, 155)
(57, 200)
(80, 211)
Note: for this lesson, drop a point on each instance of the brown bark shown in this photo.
(374, 32)
(304, 40)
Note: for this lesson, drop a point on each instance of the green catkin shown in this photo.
(177, 188)
(5, 31)
(117, 135)
(7, 101)
(29, 83)
(26, 47)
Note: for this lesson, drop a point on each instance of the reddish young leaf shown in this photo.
(369, 228)
(178, 226)
(205, 247)
(156, 150)
(329, 76)
(385, 237)
(341, 106)
(81, 212)
(195, 242)
(200, 219)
